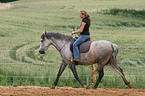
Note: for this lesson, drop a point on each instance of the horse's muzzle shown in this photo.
(41, 52)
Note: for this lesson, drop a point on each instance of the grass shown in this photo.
(126, 12)
(22, 25)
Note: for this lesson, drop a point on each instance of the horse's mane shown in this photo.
(58, 35)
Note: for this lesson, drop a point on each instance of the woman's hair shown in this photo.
(83, 12)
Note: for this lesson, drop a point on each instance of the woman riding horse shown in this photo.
(101, 53)
(85, 34)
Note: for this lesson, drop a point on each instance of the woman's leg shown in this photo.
(79, 41)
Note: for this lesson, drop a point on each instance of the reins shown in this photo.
(58, 47)
(62, 47)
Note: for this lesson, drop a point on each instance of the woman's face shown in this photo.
(81, 16)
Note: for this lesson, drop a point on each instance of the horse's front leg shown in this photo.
(62, 67)
(73, 68)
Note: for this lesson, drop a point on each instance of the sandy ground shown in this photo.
(67, 91)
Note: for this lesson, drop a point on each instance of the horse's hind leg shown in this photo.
(101, 74)
(120, 71)
(73, 68)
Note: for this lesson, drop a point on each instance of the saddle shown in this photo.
(84, 47)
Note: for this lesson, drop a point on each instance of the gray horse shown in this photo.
(101, 53)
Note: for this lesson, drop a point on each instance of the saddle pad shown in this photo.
(83, 48)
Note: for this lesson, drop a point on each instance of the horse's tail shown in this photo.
(114, 61)
(113, 58)
(94, 72)
(114, 51)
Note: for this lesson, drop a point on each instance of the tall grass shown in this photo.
(110, 80)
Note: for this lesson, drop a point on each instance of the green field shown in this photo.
(119, 21)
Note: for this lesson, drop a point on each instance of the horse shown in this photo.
(101, 52)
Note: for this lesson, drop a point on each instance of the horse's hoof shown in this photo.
(129, 85)
(94, 88)
(87, 87)
(52, 87)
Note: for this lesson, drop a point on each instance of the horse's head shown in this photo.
(44, 44)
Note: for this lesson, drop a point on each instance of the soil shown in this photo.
(67, 91)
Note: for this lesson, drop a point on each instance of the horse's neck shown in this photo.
(64, 48)
(59, 44)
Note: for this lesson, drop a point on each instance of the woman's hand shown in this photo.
(81, 29)
(73, 32)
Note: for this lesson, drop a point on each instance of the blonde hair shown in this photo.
(83, 12)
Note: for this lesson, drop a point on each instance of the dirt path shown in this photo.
(67, 91)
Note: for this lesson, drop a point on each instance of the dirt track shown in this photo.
(67, 91)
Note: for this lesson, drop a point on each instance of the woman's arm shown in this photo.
(81, 29)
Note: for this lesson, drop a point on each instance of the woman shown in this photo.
(84, 32)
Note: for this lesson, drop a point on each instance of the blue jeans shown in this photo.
(79, 41)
